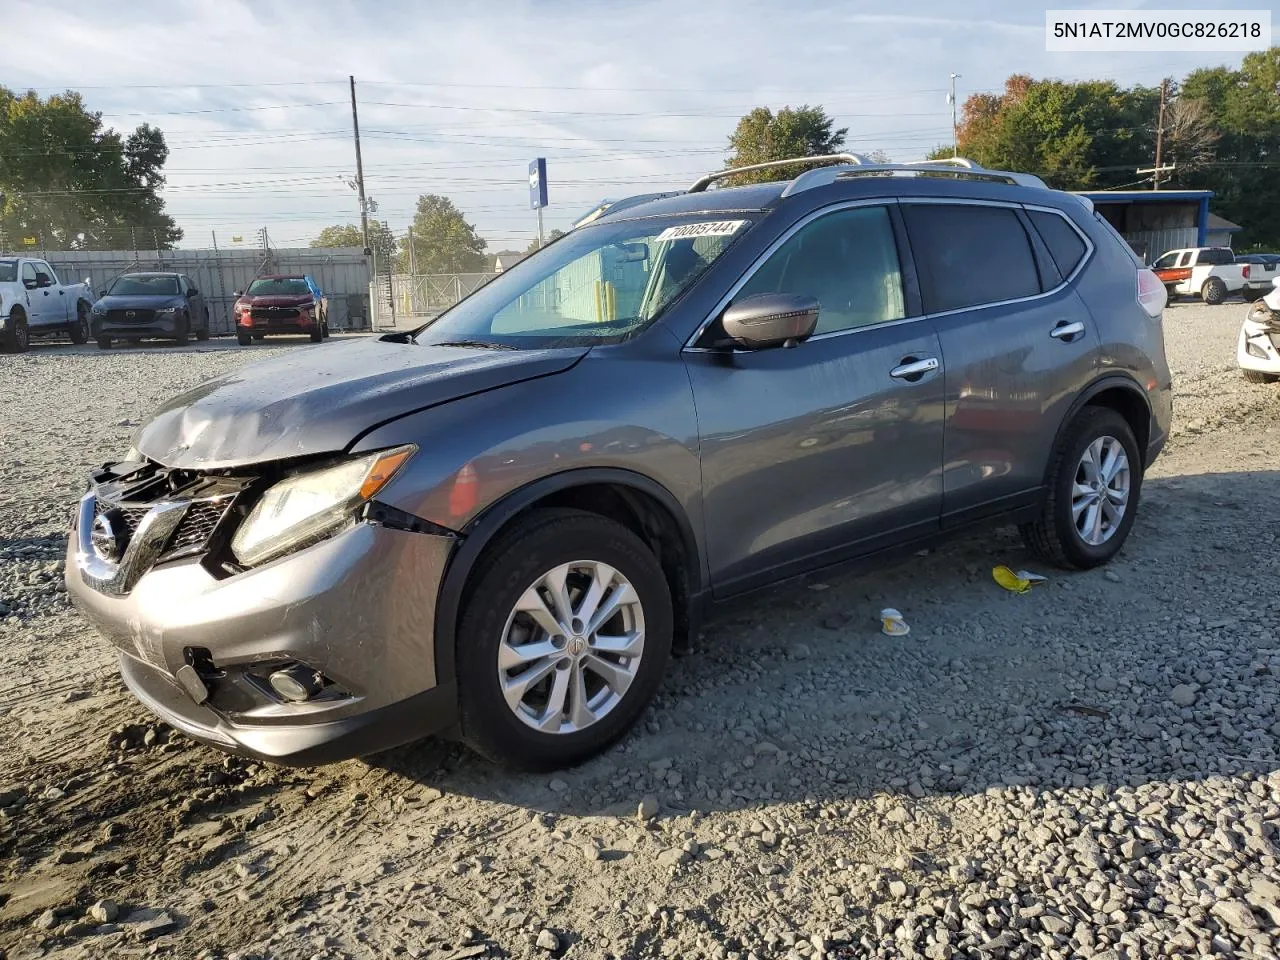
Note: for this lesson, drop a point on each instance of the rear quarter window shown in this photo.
(1064, 243)
(969, 255)
(1215, 256)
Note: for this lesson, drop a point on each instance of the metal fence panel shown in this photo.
(342, 272)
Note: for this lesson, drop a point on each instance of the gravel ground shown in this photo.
(1088, 770)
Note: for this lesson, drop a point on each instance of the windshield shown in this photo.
(597, 284)
(144, 287)
(8, 271)
(278, 287)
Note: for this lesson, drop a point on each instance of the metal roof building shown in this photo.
(1154, 221)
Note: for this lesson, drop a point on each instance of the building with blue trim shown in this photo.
(1154, 221)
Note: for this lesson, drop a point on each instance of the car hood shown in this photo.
(141, 302)
(276, 300)
(320, 399)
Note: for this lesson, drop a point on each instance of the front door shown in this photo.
(1018, 344)
(38, 308)
(816, 452)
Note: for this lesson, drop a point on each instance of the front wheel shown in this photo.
(1214, 291)
(17, 337)
(1257, 376)
(244, 339)
(79, 329)
(104, 343)
(317, 333)
(1094, 484)
(564, 637)
(183, 332)
(203, 332)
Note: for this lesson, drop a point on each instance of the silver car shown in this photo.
(502, 524)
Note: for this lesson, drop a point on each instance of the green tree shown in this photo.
(1243, 107)
(533, 244)
(443, 241)
(381, 239)
(762, 136)
(74, 184)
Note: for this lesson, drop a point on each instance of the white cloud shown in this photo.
(641, 95)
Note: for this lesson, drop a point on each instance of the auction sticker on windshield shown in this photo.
(716, 228)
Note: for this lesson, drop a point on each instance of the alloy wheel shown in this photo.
(1100, 492)
(571, 647)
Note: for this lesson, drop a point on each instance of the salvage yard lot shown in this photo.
(1088, 770)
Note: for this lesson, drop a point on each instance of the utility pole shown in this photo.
(951, 99)
(355, 129)
(413, 261)
(1164, 92)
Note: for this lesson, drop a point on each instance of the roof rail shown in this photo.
(702, 183)
(613, 206)
(963, 169)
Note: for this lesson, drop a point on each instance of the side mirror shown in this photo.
(239, 293)
(43, 282)
(770, 320)
(632, 252)
(193, 292)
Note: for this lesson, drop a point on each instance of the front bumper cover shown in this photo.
(358, 607)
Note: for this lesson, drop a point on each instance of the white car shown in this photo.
(1258, 351)
(34, 303)
(1210, 273)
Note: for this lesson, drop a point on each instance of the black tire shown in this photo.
(182, 333)
(104, 343)
(259, 337)
(325, 329)
(1053, 536)
(1214, 291)
(79, 329)
(244, 339)
(533, 546)
(1257, 376)
(17, 335)
(203, 333)
(317, 333)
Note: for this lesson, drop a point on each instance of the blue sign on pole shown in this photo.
(537, 183)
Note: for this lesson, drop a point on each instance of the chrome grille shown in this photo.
(197, 526)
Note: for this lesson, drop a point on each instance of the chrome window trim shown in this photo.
(883, 202)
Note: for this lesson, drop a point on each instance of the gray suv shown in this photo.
(500, 524)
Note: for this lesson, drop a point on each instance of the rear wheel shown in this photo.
(1214, 291)
(79, 329)
(563, 640)
(182, 334)
(244, 339)
(104, 343)
(203, 332)
(1257, 376)
(17, 337)
(1094, 484)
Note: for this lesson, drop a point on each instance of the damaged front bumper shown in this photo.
(198, 644)
(1258, 347)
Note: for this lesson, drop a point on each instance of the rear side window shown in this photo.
(1065, 245)
(970, 255)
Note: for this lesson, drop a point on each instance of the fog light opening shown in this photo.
(296, 683)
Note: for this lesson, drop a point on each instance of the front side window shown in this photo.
(28, 276)
(598, 284)
(847, 260)
(970, 255)
(1166, 262)
(44, 275)
(278, 287)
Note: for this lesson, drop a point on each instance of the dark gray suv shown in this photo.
(501, 524)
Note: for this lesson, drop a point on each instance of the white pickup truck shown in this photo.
(34, 303)
(1210, 273)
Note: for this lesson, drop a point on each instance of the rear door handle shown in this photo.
(1067, 330)
(913, 370)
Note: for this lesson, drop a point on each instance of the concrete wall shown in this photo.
(342, 272)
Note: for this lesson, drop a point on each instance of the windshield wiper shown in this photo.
(477, 344)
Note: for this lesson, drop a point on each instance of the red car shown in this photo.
(283, 303)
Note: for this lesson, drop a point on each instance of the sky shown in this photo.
(455, 99)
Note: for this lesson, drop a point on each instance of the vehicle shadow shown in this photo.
(794, 696)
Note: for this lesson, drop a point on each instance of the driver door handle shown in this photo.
(912, 369)
(1067, 331)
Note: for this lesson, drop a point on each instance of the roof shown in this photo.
(1146, 196)
(752, 198)
(505, 260)
(1222, 224)
(152, 273)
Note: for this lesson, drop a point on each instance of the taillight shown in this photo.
(1151, 293)
(1246, 271)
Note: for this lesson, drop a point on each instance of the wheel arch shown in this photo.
(1118, 392)
(633, 499)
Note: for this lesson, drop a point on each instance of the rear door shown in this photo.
(834, 446)
(1017, 343)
